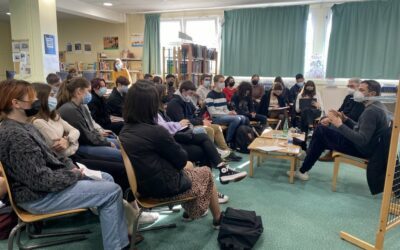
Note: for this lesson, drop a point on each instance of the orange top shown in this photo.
(123, 72)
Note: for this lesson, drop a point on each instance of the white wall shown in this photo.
(5, 49)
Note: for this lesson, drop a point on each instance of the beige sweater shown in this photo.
(53, 130)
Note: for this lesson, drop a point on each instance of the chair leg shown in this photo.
(52, 243)
(172, 225)
(135, 229)
(15, 230)
(335, 174)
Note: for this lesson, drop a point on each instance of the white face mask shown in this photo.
(221, 85)
(207, 83)
(358, 96)
(350, 91)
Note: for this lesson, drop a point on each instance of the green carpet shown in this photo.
(303, 215)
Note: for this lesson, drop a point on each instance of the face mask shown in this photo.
(310, 88)
(207, 83)
(35, 107)
(118, 66)
(221, 85)
(231, 84)
(254, 82)
(124, 89)
(358, 96)
(300, 84)
(350, 91)
(52, 103)
(87, 98)
(170, 84)
(102, 91)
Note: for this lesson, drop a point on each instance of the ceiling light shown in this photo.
(8, 13)
(108, 4)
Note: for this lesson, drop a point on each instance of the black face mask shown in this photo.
(34, 109)
(164, 99)
(231, 84)
(254, 82)
(170, 84)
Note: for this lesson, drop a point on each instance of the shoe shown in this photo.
(217, 224)
(226, 174)
(222, 199)
(233, 157)
(186, 218)
(327, 157)
(223, 153)
(148, 218)
(138, 238)
(300, 175)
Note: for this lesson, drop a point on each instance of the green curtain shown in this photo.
(365, 40)
(265, 41)
(151, 47)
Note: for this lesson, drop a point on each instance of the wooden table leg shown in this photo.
(258, 160)
(251, 156)
(293, 162)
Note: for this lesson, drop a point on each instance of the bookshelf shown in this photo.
(189, 62)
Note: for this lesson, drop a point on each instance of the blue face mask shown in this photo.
(52, 103)
(87, 98)
(102, 91)
(300, 84)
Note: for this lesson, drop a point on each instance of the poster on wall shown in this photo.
(78, 47)
(87, 47)
(68, 47)
(24, 46)
(137, 40)
(110, 42)
(16, 47)
(49, 44)
(16, 56)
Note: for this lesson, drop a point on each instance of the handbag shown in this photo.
(184, 136)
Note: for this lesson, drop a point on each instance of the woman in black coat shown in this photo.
(273, 103)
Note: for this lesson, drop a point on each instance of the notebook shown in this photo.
(306, 103)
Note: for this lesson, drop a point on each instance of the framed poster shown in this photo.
(110, 42)
(87, 47)
(137, 40)
(78, 47)
(49, 44)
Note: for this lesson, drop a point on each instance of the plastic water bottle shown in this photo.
(285, 127)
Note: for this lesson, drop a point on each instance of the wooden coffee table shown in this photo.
(289, 152)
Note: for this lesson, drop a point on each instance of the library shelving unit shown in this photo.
(189, 62)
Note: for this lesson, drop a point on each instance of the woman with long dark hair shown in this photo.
(309, 112)
(161, 165)
(243, 104)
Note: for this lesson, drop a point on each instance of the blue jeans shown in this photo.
(102, 152)
(104, 194)
(233, 122)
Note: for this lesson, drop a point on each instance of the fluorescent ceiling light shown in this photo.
(108, 4)
(8, 13)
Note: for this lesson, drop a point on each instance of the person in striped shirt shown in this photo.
(218, 109)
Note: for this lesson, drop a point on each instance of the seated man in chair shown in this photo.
(356, 139)
(350, 108)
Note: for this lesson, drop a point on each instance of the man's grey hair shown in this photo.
(355, 80)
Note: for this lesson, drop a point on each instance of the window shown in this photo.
(308, 60)
(169, 32)
(204, 31)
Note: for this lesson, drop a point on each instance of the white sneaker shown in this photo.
(222, 199)
(223, 153)
(299, 175)
(148, 218)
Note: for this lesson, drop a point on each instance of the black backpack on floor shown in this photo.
(244, 136)
(239, 230)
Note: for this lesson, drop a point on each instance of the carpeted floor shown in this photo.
(303, 215)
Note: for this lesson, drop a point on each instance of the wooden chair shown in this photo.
(145, 203)
(272, 121)
(27, 219)
(343, 158)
